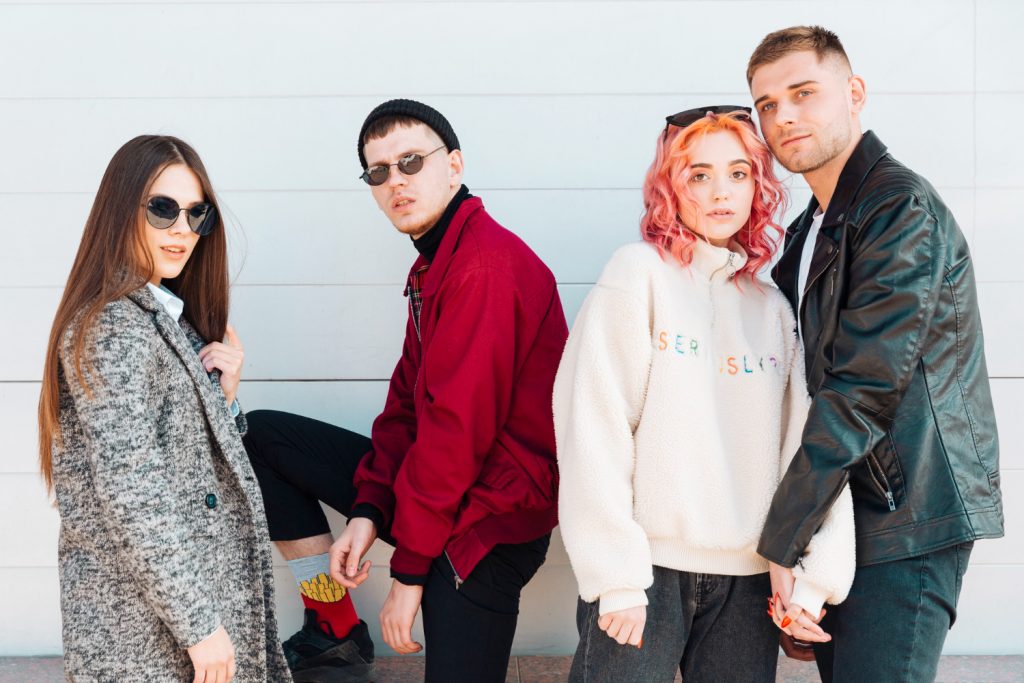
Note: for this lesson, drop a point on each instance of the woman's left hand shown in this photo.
(226, 356)
(788, 616)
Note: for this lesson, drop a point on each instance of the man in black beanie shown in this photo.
(460, 473)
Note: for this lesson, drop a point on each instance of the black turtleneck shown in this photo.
(431, 240)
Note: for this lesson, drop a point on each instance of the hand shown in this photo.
(348, 550)
(800, 623)
(397, 615)
(788, 616)
(626, 626)
(782, 585)
(213, 658)
(226, 357)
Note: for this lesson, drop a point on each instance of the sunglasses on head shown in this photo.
(162, 212)
(410, 164)
(691, 116)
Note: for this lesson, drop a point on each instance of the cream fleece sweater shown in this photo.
(679, 402)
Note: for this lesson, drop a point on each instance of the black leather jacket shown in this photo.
(896, 369)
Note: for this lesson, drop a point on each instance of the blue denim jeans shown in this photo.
(712, 628)
(894, 622)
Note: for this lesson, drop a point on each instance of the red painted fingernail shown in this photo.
(640, 644)
(786, 622)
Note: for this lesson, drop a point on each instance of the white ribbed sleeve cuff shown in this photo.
(621, 599)
(810, 596)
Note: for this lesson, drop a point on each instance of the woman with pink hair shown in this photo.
(679, 402)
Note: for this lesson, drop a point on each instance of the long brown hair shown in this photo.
(113, 260)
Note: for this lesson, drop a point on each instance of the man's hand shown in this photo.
(349, 549)
(625, 626)
(788, 616)
(398, 614)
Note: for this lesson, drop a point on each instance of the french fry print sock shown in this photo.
(322, 594)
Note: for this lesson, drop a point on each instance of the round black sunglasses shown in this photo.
(410, 164)
(162, 212)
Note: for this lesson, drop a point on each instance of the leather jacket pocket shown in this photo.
(880, 481)
(885, 473)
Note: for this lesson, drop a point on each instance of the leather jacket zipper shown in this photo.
(458, 579)
(881, 481)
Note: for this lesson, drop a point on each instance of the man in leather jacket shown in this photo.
(883, 285)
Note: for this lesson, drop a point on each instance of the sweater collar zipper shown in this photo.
(728, 264)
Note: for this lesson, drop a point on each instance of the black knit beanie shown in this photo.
(416, 110)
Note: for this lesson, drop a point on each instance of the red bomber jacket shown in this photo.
(463, 455)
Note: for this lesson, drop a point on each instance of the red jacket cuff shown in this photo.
(380, 497)
(405, 561)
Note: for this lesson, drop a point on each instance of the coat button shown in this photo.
(211, 500)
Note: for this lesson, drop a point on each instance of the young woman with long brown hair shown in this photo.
(164, 555)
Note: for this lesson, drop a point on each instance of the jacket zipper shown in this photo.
(458, 579)
(883, 483)
(415, 321)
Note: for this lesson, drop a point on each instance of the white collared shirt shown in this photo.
(172, 304)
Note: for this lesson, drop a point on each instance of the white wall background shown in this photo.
(557, 105)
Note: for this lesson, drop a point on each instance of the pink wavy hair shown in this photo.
(667, 185)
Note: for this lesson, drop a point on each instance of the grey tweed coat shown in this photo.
(163, 536)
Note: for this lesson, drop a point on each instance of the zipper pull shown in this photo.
(889, 499)
(458, 579)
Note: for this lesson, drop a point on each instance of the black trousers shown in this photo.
(468, 628)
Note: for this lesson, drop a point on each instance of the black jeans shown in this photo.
(894, 622)
(468, 629)
(709, 627)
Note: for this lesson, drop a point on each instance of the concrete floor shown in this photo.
(553, 670)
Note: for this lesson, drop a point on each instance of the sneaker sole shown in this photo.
(350, 673)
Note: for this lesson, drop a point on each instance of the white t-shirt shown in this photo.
(805, 263)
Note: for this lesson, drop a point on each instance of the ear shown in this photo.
(455, 168)
(858, 93)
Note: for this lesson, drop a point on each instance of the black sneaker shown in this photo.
(318, 657)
